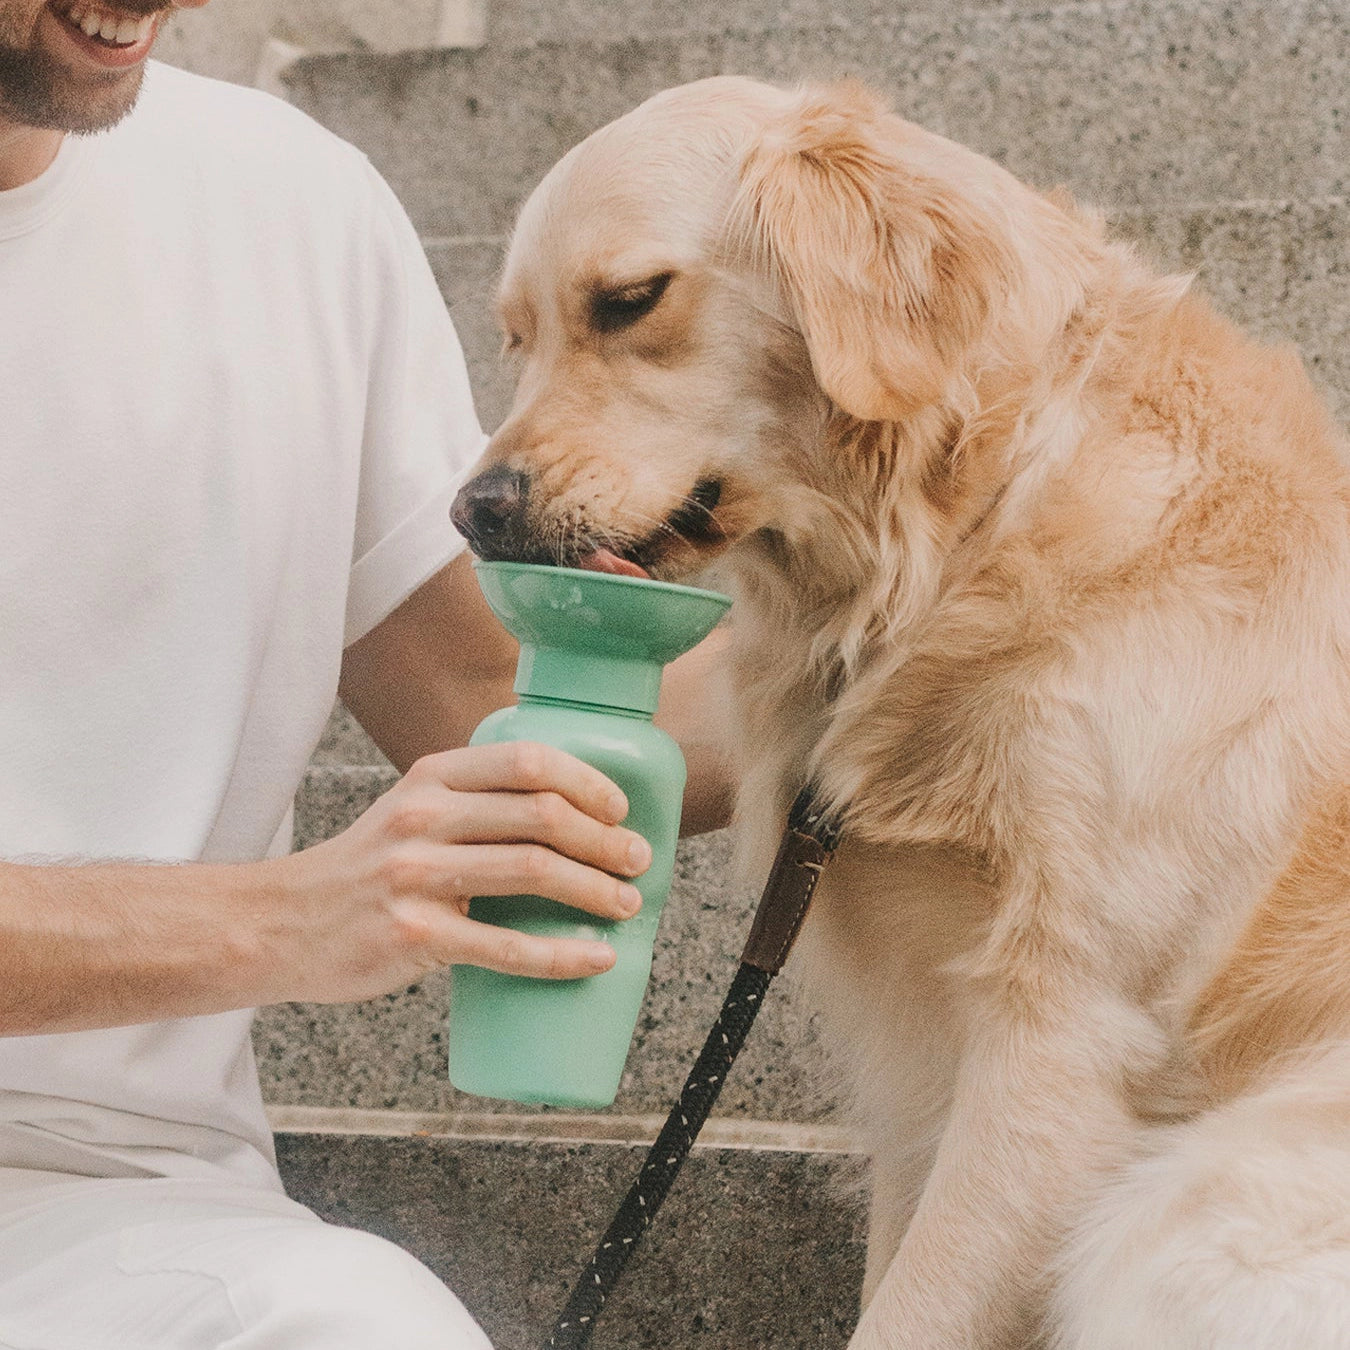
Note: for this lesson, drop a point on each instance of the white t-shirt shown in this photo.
(233, 415)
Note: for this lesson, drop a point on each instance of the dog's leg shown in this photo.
(886, 927)
(1039, 1110)
(895, 1193)
(1029, 1127)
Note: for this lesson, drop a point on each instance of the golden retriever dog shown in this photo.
(1042, 571)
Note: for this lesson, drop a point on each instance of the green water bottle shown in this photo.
(593, 646)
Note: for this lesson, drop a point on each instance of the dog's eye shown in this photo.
(624, 305)
(512, 342)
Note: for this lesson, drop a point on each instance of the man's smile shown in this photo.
(112, 38)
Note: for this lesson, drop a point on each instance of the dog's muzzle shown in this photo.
(490, 512)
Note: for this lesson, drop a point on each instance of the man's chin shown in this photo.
(40, 94)
(92, 118)
(62, 81)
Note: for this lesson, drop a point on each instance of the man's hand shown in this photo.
(376, 907)
(365, 913)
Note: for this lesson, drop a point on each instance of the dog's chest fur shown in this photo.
(997, 725)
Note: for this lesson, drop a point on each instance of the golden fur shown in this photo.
(1043, 571)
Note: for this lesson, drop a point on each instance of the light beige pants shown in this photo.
(176, 1264)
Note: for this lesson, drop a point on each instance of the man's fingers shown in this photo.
(511, 819)
(526, 766)
(528, 818)
(511, 953)
(530, 869)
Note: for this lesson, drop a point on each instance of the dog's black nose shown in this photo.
(490, 512)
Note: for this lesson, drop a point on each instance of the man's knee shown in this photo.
(320, 1287)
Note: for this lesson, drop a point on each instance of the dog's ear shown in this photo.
(891, 271)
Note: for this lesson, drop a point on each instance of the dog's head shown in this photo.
(709, 297)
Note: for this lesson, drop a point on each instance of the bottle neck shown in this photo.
(611, 683)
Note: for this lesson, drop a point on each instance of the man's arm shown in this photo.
(373, 909)
(428, 674)
(365, 913)
(423, 678)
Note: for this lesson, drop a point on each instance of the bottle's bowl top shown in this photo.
(598, 613)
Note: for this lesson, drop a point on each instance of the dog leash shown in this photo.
(807, 845)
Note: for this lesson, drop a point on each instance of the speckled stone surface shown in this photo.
(1179, 101)
(345, 744)
(525, 21)
(226, 41)
(333, 795)
(390, 1053)
(211, 46)
(467, 271)
(750, 1251)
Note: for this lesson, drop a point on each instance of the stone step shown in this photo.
(390, 1053)
(521, 22)
(752, 1249)
(1127, 105)
(345, 745)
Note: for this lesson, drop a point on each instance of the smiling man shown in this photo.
(235, 414)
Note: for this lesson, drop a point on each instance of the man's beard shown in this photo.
(36, 91)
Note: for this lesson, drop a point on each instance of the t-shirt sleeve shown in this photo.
(421, 433)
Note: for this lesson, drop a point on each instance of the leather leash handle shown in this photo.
(807, 844)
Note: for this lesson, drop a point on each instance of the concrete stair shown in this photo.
(1214, 132)
(1166, 102)
(753, 1249)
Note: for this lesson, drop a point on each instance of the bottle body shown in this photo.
(564, 1042)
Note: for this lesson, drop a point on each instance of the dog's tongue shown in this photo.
(602, 560)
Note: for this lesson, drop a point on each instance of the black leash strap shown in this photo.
(807, 844)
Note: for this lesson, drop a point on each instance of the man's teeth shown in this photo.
(110, 27)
